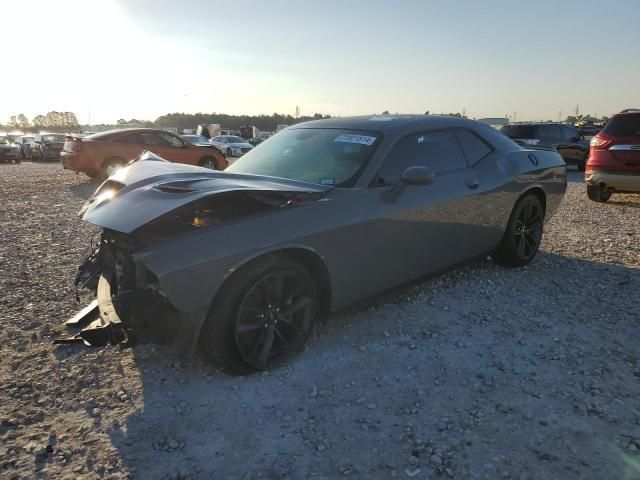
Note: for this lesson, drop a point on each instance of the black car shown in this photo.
(588, 130)
(564, 138)
(47, 146)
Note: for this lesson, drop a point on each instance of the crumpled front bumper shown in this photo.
(126, 311)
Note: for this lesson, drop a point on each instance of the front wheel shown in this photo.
(263, 316)
(598, 194)
(208, 162)
(229, 153)
(523, 235)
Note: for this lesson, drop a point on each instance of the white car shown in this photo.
(231, 146)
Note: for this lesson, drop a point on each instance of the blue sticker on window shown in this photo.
(327, 181)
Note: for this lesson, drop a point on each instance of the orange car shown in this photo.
(102, 153)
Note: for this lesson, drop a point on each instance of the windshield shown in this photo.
(4, 140)
(53, 138)
(236, 140)
(324, 156)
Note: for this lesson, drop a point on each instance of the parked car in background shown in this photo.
(614, 160)
(47, 146)
(573, 148)
(25, 142)
(103, 153)
(9, 150)
(588, 130)
(199, 140)
(232, 146)
(327, 213)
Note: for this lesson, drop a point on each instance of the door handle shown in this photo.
(472, 184)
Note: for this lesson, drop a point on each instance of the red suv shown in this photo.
(614, 157)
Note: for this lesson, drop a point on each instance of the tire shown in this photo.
(208, 162)
(523, 235)
(597, 194)
(110, 165)
(229, 153)
(234, 336)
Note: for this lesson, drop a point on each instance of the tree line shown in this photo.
(67, 121)
(52, 121)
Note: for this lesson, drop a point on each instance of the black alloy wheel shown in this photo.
(275, 318)
(523, 235)
(528, 230)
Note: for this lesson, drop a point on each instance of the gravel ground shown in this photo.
(483, 373)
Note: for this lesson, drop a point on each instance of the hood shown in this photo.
(151, 186)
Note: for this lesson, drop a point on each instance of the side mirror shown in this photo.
(417, 176)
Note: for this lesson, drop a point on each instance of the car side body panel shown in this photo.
(370, 238)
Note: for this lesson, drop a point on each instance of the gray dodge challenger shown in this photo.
(239, 265)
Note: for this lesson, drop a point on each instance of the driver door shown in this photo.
(413, 230)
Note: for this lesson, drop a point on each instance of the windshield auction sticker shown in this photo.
(360, 139)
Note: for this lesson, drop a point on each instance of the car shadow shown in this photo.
(85, 189)
(371, 382)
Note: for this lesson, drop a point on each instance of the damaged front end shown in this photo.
(126, 297)
(161, 231)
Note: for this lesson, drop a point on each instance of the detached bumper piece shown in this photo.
(102, 325)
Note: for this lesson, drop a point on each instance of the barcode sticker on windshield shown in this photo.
(360, 139)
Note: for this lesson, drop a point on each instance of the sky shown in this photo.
(111, 59)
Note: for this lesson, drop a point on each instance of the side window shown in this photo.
(153, 139)
(437, 150)
(549, 131)
(131, 139)
(475, 149)
(173, 141)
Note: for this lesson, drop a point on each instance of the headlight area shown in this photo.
(208, 212)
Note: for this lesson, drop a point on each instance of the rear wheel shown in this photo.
(229, 153)
(598, 194)
(523, 234)
(263, 316)
(111, 165)
(208, 162)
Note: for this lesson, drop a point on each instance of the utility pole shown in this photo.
(297, 111)
(464, 112)
(560, 116)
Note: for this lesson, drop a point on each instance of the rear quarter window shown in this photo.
(474, 148)
(623, 126)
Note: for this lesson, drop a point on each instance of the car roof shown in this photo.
(387, 123)
(121, 131)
